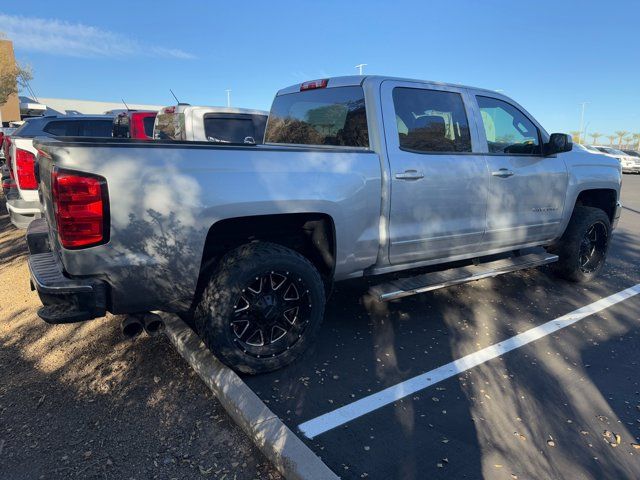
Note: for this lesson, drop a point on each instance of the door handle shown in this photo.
(502, 173)
(410, 175)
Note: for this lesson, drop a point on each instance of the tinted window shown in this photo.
(80, 128)
(431, 120)
(148, 125)
(325, 116)
(507, 129)
(233, 128)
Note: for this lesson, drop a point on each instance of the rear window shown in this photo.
(328, 116)
(234, 128)
(148, 125)
(80, 128)
(169, 126)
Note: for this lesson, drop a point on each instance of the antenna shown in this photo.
(125, 104)
(174, 96)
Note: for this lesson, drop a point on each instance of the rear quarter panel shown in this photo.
(164, 199)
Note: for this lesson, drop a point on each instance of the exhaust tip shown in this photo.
(131, 326)
(153, 324)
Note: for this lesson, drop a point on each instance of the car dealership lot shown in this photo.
(550, 409)
(539, 411)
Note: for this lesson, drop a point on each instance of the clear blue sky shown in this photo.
(548, 55)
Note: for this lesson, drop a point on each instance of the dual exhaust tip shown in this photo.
(133, 325)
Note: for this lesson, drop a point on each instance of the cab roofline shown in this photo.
(355, 80)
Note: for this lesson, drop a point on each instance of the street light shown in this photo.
(360, 67)
(581, 120)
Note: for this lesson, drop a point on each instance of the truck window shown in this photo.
(232, 128)
(148, 125)
(80, 128)
(507, 129)
(326, 116)
(431, 120)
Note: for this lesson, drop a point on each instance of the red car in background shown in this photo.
(134, 124)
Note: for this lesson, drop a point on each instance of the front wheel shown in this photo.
(262, 308)
(583, 247)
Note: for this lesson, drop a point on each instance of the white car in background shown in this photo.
(629, 163)
(587, 148)
(190, 123)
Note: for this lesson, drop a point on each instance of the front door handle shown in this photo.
(410, 175)
(502, 173)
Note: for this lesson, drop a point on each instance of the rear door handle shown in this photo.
(410, 175)
(502, 173)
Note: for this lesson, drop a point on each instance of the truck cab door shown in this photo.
(438, 182)
(527, 190)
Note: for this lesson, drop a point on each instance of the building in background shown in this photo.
(30, 107)
(10, 111)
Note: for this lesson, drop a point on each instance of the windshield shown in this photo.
(327, 116)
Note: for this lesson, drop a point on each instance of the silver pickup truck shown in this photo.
(359, 176)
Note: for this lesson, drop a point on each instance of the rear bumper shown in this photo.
(64, 299)
(22, 212)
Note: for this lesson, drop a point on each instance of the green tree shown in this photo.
(12, 76)
(595, 136)
(620, 134)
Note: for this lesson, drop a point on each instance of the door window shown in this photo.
(431, 120)
(507, 129)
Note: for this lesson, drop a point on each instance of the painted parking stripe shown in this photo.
(345, 414)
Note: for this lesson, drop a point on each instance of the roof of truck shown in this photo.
(184, 107)
(353, 80)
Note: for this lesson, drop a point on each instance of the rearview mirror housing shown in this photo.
(558, 143)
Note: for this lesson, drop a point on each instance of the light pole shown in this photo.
(228, 97)
(581, 121)
(360, 67)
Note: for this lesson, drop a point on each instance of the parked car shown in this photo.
(20, 156)
(359, 176)
(134, 124)
(587, 148)
(635, 155)
(210, 124)
(4, 131)
(628, 162)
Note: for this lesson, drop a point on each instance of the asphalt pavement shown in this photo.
(565, 406)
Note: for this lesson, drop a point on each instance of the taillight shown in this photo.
(25, 170)
(313, 84)
(81, 208)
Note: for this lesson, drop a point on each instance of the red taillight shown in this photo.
(25, 170)
(313, 84)
(81, 208)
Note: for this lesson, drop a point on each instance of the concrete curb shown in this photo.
(293, 459)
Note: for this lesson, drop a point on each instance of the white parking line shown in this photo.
(342, 415)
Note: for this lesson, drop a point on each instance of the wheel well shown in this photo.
(604, 199)
(310, 234)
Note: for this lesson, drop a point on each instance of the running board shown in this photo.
(404, 287)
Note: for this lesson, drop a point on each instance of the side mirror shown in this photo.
(558, 143)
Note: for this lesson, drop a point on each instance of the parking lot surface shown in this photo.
(565, 406)
(81, 401)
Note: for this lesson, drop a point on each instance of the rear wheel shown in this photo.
(262, 308)
(582, 249)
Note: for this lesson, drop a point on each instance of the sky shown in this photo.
(550, 56)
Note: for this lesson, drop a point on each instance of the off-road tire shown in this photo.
(568, 247)
(213, 316)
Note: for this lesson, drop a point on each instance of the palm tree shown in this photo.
(627, 141)
(611, 139)
(620, 134)
(575, 136)
(636, 137)
(595, 136)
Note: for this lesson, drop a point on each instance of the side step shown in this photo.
(404, 287)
